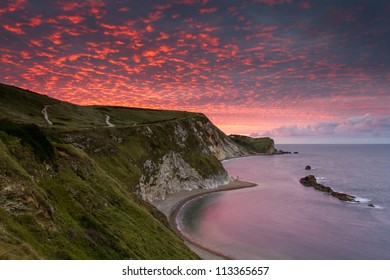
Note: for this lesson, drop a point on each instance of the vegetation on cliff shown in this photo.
(74, 185)
(67, 191)
(262, 145)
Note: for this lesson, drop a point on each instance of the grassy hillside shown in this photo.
(59, 200)
(70, 185)
(263, 145)
(26, 107)
(69, 206)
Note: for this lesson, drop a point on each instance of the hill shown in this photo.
(76, 181)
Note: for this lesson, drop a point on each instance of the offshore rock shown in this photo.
(310, 181)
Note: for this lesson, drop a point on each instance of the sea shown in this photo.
(280, 219)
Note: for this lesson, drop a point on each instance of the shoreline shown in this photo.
(173, 203)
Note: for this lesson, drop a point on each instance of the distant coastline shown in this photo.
(172, 205)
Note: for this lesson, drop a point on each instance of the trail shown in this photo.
(108, 121)
(45, 114)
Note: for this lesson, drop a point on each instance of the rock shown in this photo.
(344, 196)
(310, 181)
(370, 205)
(308, 167)
(295, 153)
(172, 174)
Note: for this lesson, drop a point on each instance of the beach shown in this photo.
(172, 204)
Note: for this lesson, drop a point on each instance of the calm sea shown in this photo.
(281, 219)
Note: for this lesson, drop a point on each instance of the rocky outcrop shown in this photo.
(172, 175)
(165, 157)
(308, 167)
(192, 161)
(213, 140)
(310, 181)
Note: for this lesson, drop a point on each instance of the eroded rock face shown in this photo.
(311, 181)
(168, 156)
(17, 199)
(192, 161)
(214, 141)
(174, 174)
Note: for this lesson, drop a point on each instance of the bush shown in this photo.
(31, 135)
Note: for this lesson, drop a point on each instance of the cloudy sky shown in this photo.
(297, 70)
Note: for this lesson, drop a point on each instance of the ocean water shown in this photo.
(281, 219)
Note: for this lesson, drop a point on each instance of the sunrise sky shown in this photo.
(299, 71)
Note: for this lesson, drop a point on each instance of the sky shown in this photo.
(299, 71)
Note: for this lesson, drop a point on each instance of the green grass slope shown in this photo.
(72, 208)
(59, 200)
(262, 145)
(26, 107)
(68, 190)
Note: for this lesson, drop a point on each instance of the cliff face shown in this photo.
(191, 162)
(165, 157)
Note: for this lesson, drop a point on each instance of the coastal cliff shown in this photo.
(160, 158)
(76, 181)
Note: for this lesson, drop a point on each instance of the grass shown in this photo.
(29, 134)
(93, 215)
(73, 202)
(26, 107)
(254, 145)
(67, 190)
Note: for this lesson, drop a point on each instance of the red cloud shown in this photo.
(208, 10)
(163, 36)
(149, 28)
(73, 19)
(14, 29)
(124, 9)
(136, 58)
(25, 55)
(163, 6)
(55, 38)
(12, 7)
(150, 53)
(36, 42)
(69, 6)
(35, 21)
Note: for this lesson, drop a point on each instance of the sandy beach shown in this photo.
(172, 204)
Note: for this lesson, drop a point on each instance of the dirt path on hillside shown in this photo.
(109, 124)
(46, 115)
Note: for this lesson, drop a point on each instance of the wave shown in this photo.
(362, 199)
(320, 179)
(366, 201)
(377, 206)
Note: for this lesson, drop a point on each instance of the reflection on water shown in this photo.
(280, 219)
